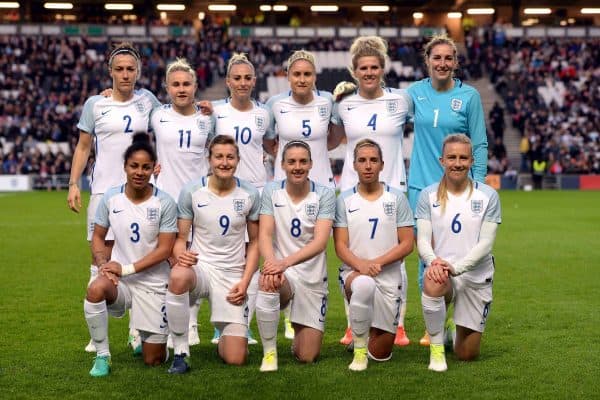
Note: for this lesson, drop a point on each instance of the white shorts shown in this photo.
(215, 284)
(472, 301)
(91, 216)
(386, 303)
(148, 311)
(309, 302)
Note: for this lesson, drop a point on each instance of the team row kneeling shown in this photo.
(289, 226)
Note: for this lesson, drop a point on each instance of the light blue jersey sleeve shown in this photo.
(168, 218)
(478, 135)
(341, 219)
(329, 97)
(266, 203)
(335, 114)
(185, 208)
(152, 97)
(102, 212)
(404, 215)
(493, 213)
(269, 132)
(254, 198)
(326, 202)
(409, 101)
(86, 121)
(423, 211)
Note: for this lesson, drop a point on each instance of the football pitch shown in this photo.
(541, 340)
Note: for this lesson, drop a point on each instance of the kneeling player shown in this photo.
(143, 220)
(221, 209)
(457, 220)
(373, 233)
(295, 222)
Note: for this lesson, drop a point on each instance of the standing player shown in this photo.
(303, 113)
(295, 223)
(108, 123)
(249, 123)
(442, 105)
(457, 220)
(181, 132)
(220, 209)
(378, 113)
(373, 233)
(133, 274)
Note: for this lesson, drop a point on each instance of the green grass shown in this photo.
(541, 339)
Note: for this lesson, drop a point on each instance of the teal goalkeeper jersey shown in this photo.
(437, 115)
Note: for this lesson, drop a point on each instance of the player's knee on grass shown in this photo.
(307, 343)
(181, 279)
(233, 345)
(153, 354)
(381, 344)
(468, 344)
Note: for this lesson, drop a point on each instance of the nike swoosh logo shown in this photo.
(421, 98)
(105, 112)
(351, 108)
(321, 320)
(279, 205)
(202, 205)
(283, 111)
(351, 211)
(435, 205)
(163, 120)
(221, 116)
(117, 211)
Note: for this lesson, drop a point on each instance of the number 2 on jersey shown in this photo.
(128, 125)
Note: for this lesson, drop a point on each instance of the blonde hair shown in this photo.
(180, 64)
(367, 143)
(301, 55)
(442, 192)
(239, 58)
(437, 40)
(368, 46)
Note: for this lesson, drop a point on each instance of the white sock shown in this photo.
(93, 274)
(347, 310)
(434, 313)
(404, 295)
(194, 310)
(252, 293)
(361, 309)
(132, 330)
(178, 315)
(287, 311)
(96, 316)
(267, 318)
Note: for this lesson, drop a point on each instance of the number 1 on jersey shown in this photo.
(436, 114)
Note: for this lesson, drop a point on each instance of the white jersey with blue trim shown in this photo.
(219, 223)
(437, 115)
(382, 120)
(295, 225)
(248, 128)
(112, 124)
(373, 227)
(306, 122)
(136, 228)
(456, 226)
(180, 146)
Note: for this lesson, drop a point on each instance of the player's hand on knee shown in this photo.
(273, 266)
(187, 259)
(237, 294)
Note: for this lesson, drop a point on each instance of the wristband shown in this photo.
(127, 269)
(72, 184)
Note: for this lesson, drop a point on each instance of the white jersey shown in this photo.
(136, 228)
(382, 120)
(112, 124)
(456, 231)
(248, 128)
(295, 225)
(219, 223)
(373, 227)
(307, 122)
(180, 146)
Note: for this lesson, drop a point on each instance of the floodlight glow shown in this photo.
(481, 11)
(590, 10)
(417, 15)
(454, 15)
(9, 4)
(324, 8)
(118, 6)
(170, 7)
(222, 7)
(280, 7)
(537, 11)
(265, 7)
(58, 6)
(375, 8)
